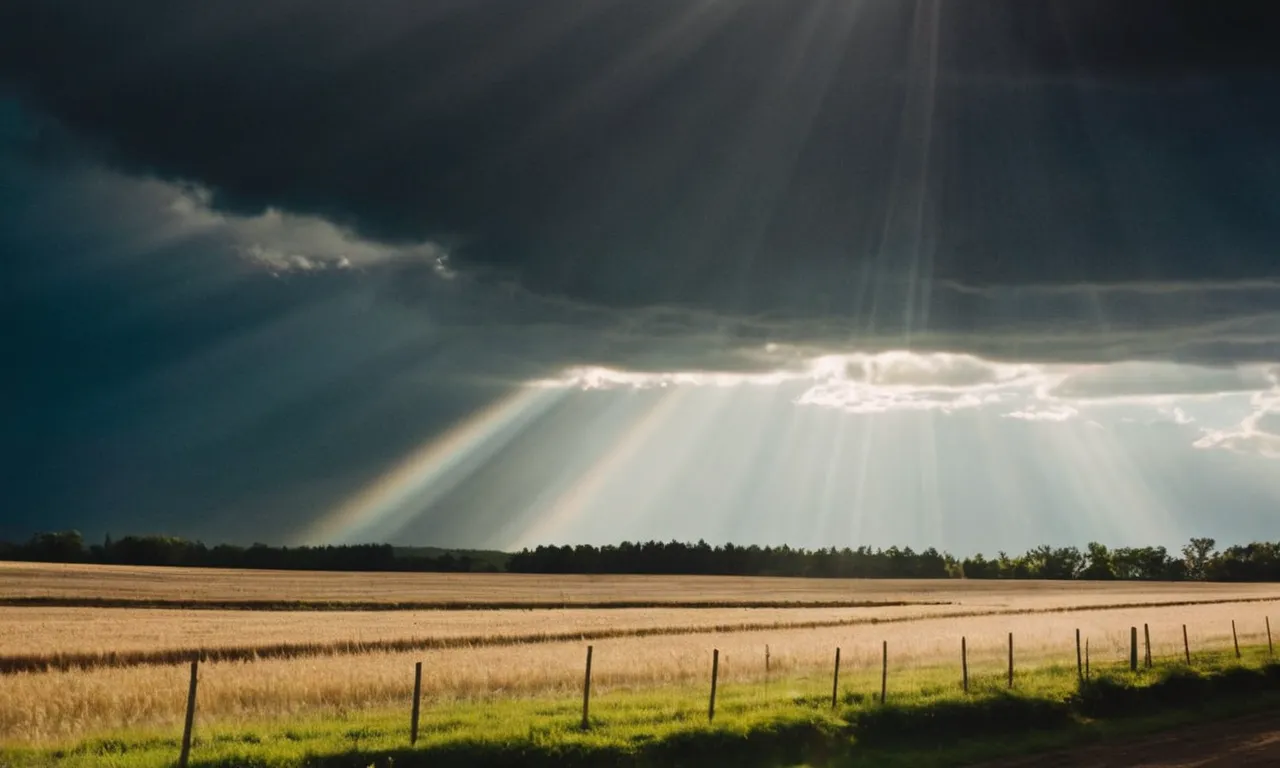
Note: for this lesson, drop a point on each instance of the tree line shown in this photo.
(1198, 560)
(70, 547)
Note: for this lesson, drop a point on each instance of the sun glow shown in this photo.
(851, 447)
(431, 470)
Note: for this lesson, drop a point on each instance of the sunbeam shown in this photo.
(477, 273)
(569, 507)
(431, 470)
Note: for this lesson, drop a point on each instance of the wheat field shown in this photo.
(88, 631)
(515, 652)
(70, 581)
(43, 707)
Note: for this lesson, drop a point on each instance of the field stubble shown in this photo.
(54, 706)
(72, 581)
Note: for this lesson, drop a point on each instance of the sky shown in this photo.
(976, 274)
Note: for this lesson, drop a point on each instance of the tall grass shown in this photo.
(51, 639)
(44, 707)
(789, 721)
(63, 638)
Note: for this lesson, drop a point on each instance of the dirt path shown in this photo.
(1247, 742)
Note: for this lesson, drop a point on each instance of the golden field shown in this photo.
(88, 631)
(516, 658)
(55, 580)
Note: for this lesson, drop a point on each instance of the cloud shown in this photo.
(277, 240)
(499, 328)
(894, 380)
(901, 380)
(718, 157)
(1216, 324)
(1057, 413)
(417, 274)
(1247, 438)
(293, 244)
(935, 371)
(1149, 381)
(1258, 433)
(474, 326)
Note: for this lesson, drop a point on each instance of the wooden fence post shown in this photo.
(715, 672)
(1079, 658)
(964, 664)
(1271, 651)
(586, 692)
(1234, 638)
(1133, 649)
(1146, 633)
(185, 755)
(766, 662)
(1010, 659)
(1086, 658)
(835, 681)
(417, 696)
(1186, 646)
(884, 670)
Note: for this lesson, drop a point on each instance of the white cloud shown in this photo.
(672, 347)
(896, 381)
(1056, 413)
(1258, 433)
(935, 370)
(1242, 440)
(279, 241)
(1155, 382)
(903, 380)
(598, 377)
(854, 383)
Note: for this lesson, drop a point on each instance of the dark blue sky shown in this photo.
(259, 253)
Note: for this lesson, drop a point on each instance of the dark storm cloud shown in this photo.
(822, 159)
(728, 185)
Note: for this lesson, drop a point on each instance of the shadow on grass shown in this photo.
(942, 722)
(785, 743)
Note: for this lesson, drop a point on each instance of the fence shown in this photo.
(1140, 656)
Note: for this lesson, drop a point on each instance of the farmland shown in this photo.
(118, 670)
(59, 582)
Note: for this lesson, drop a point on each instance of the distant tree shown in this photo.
(1197, 555)
(1045, 562)
(979, 567)
(1257, 561)
(1098, 563)
(60, 547)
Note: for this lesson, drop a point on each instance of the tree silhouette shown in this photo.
(1259, 561)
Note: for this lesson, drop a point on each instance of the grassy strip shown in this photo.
(927, 721)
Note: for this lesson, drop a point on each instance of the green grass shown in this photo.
(927, 721)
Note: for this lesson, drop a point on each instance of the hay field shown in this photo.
(505, 653)
(44, 707)
(69, 581)
(89, 631)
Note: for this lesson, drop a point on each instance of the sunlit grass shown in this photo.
(39, 708)
(927, 719)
